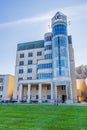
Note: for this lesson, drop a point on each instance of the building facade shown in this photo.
(81, 86)
(6, 87)
(42, 72)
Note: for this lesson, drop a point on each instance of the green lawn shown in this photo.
(42, 117)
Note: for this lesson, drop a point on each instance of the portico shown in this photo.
(40, 93)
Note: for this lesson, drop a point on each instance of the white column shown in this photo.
(52, 97)
(20, 93)
(28, 94)
(55, 92)
(40, 89)
(67, 92)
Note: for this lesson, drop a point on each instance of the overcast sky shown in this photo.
(28, 20)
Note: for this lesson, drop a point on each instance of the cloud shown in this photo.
(26, 20)
(73, 13)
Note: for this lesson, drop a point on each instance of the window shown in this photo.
(20, 71)
(48, 96)
(29, 62)
(37, 88)
(63, 52)
(63, 87)
(39, 53)
(1, 88)
(48, 47)
(59, 29)
(49, 38)
(45, 66)
(37, 96)
(59, 40)
(30, 54)
(21, 63)
(19, 79)
(21, 55)
(63, 63)
(48, 56)
(45, 75)
(29, 78)
(29, 70)
(48, 87)
(1, 80)
(62, 73)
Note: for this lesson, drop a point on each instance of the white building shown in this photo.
(6, 87)
(42, 72)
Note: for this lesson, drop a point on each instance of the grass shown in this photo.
(42, 117)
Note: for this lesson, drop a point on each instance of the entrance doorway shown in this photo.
(63, 98)
(61, 93)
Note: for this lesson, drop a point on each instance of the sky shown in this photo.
(28, 20)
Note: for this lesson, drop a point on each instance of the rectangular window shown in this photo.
(48, 96)
(48, 47)
(39, 53)
(49, 38)
(37, 97)
(1, 80)
(19, 79)
(44, 66)
(29, 70)
(63, 87)
(30, 54)
(29, 62)
(48, 87)
(37, 87)
(21, 63)
(45, 75)
(20, 71)
(22, 55)
(1, 88)
(48, 56)
(29, 78)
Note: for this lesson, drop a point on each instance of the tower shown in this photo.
(61, 68)
(72, 70)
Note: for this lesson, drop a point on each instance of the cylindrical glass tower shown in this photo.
(61, 65)
(60, 46)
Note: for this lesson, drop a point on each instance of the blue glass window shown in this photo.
(48, 56)
(29, 78)
(48, 96)
(20, 71)
(21, 63)
(30, 54)
(29, 70)
(39, 53)
(48, 47)
(22, 55)
(45, 66)
(44, 75)
(62, 73)
(20, 78)
(49, 38)
(29, 62)
(62, 63)
(63, 52)
(62, 41)
(59, 29)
